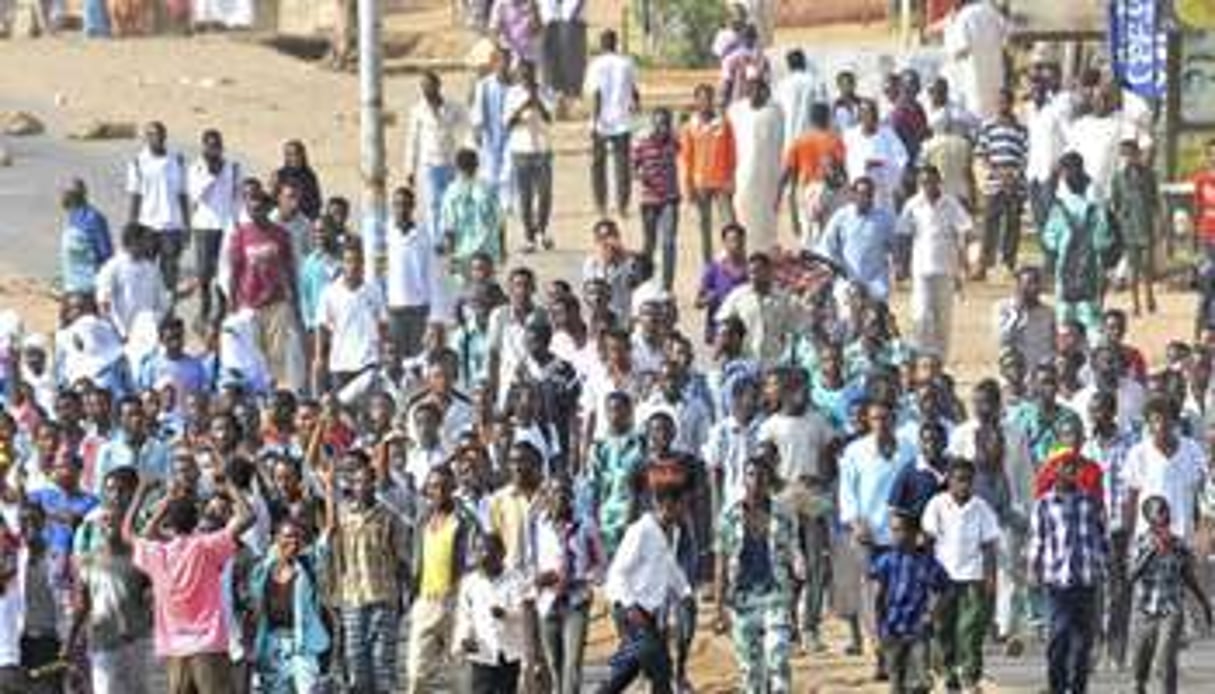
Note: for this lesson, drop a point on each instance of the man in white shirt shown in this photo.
(529, 122)
(611, 82)
(974, 47)
(1095, 137)
(1046, 118)
(214, 185)
(964, 532)
(353, 323)
(1165, 464)
(938, 226)
(490, 630)
(437, 126)
(643, 581)
(130, 283)
(156, 184)
(410, 277)
(874, 151)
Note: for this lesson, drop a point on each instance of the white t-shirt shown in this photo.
(938, 232)
(215, 199)
(532, 134)
(409, 268)
(1096, 138)
(160, 182)
(130, 287)
(799, 441)
(1047, 128)
(614, 76)
(1179, 480)
(353, 317)
(959, 532)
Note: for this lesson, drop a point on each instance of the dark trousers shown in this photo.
(502, 678)
(643, 650)
(1002, 228)
(1041, 197)
(963, 624)
(171, 245)
(534, 186)
(659, 224)
(620, 148)
(406, 324)
(1071, 637)
(1118, 601)
(207, 243)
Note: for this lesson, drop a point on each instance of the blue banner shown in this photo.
(1138, 46)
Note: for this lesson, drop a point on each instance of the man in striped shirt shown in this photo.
(1003, 146)
(1067, 557)
(655, 163)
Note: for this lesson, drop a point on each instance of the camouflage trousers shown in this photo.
(762, 634)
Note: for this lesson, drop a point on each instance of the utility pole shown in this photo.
(371, 134)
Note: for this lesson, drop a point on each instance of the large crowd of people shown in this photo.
(275, 466)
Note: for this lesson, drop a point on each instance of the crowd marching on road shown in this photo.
(467, 463)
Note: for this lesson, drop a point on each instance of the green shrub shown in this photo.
(683, 30)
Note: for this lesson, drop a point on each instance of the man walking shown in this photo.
(156, 184)
(611, 81)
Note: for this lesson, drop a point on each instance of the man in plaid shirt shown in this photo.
(1067, 557)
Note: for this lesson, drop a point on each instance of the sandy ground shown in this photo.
(259, 98)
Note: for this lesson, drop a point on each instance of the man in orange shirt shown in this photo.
(706, 158)
(814, 166)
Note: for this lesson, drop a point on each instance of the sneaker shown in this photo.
(528, 247)
(1014, 647)
(547, 241)
(853, 649)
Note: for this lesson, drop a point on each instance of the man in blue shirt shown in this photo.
(85, 243)
(170, 365)
(860, 237)
(132, 446)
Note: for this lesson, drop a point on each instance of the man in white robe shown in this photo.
(873, 150)
(759, 131)
(974, 48)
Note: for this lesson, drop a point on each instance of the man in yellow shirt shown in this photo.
(442, 544)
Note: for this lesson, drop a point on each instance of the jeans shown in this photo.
(1002, 228)
(643, 650)
(620, 146)
(370, 641)
(534, 184)
(436, 179)
(706, 201)
(659, 222)
(563, 636)
(1071, 638)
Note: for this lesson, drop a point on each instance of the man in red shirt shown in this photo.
(1204, 201)
(263, 281)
